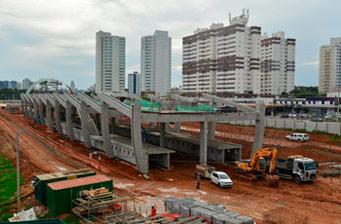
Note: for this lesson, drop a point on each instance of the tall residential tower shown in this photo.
(222, 59)
(330, 67)
(110, 62)
(277, 64)
(156, 63)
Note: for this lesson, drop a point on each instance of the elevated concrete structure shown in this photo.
(92, 120)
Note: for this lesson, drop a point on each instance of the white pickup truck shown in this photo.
(300, 137)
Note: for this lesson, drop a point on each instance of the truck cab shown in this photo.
(298, 168)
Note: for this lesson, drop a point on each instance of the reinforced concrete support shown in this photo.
(211, 129)
(41, 111)
(69, 127)
(36, 113)
(49, 114)
(56, 113)
(203, 143)
(136, 138)
(84, 124)
(105, 129)
(259, 128)
(162, 134)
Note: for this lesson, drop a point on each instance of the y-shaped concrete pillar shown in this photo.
(162, 134)
(259, 129)
(69, 127)
(203, 143)
(49, 114)
(105, 129)
(56, 113)
(84, 124)
(136, 138)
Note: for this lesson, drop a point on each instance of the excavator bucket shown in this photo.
(272, 180)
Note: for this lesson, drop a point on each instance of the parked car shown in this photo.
(221, 179)
(301, 137)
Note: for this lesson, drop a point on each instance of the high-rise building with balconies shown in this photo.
(330, 67)
(156, 63)
(110, 62)
(222, 59)
(277, 64)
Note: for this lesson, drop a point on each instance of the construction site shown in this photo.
(108, 158)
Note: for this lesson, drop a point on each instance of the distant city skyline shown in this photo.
(41, 39)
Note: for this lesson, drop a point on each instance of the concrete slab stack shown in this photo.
(215, 214)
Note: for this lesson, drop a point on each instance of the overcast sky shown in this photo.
(56, 38)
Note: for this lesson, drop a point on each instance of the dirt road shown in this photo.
(45, 151)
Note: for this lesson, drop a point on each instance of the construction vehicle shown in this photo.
(297, 168)
(256, 168)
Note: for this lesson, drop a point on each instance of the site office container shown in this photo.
(60, 194)
(42, 180)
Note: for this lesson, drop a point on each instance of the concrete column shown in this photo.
(259, 128)
(105, 129)
(211, 129)
(36, 112)
(162, 134)
(41, 112)
(49, 114)
(56, 113)
(69, 126)
(84, 124)
(136, 139)
(203, 143)
(177, 127)
(30, 110)
(23, 105)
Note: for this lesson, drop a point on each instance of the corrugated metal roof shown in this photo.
(49, 176)
(65, 184)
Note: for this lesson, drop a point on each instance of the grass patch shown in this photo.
(71, 219)
(335, 139)
(7, 185)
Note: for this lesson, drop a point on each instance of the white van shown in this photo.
(302, 137)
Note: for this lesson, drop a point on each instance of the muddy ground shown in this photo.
(320, 202)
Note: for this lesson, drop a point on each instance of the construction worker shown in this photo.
(153, 212)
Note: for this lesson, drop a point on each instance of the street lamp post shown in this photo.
(19, 133)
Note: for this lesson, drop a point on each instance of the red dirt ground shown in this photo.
(44, 151)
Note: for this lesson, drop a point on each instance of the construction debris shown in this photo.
(27, 215)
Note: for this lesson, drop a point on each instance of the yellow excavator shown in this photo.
(256, 167)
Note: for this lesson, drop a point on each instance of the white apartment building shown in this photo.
(134, 84)
(156, 63)
(110, 62)
(277, 64)
(26, 83)
(330, 67)
(222, 59)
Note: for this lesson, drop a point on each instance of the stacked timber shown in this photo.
(94, 201)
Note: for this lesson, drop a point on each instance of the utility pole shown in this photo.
(19, 133)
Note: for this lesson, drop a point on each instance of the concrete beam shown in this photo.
(203, 143)
(196, 117)
(136, 138)
(259, 129)
(116, 104)
(68, 115)
(229, 103)
(105, 129)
